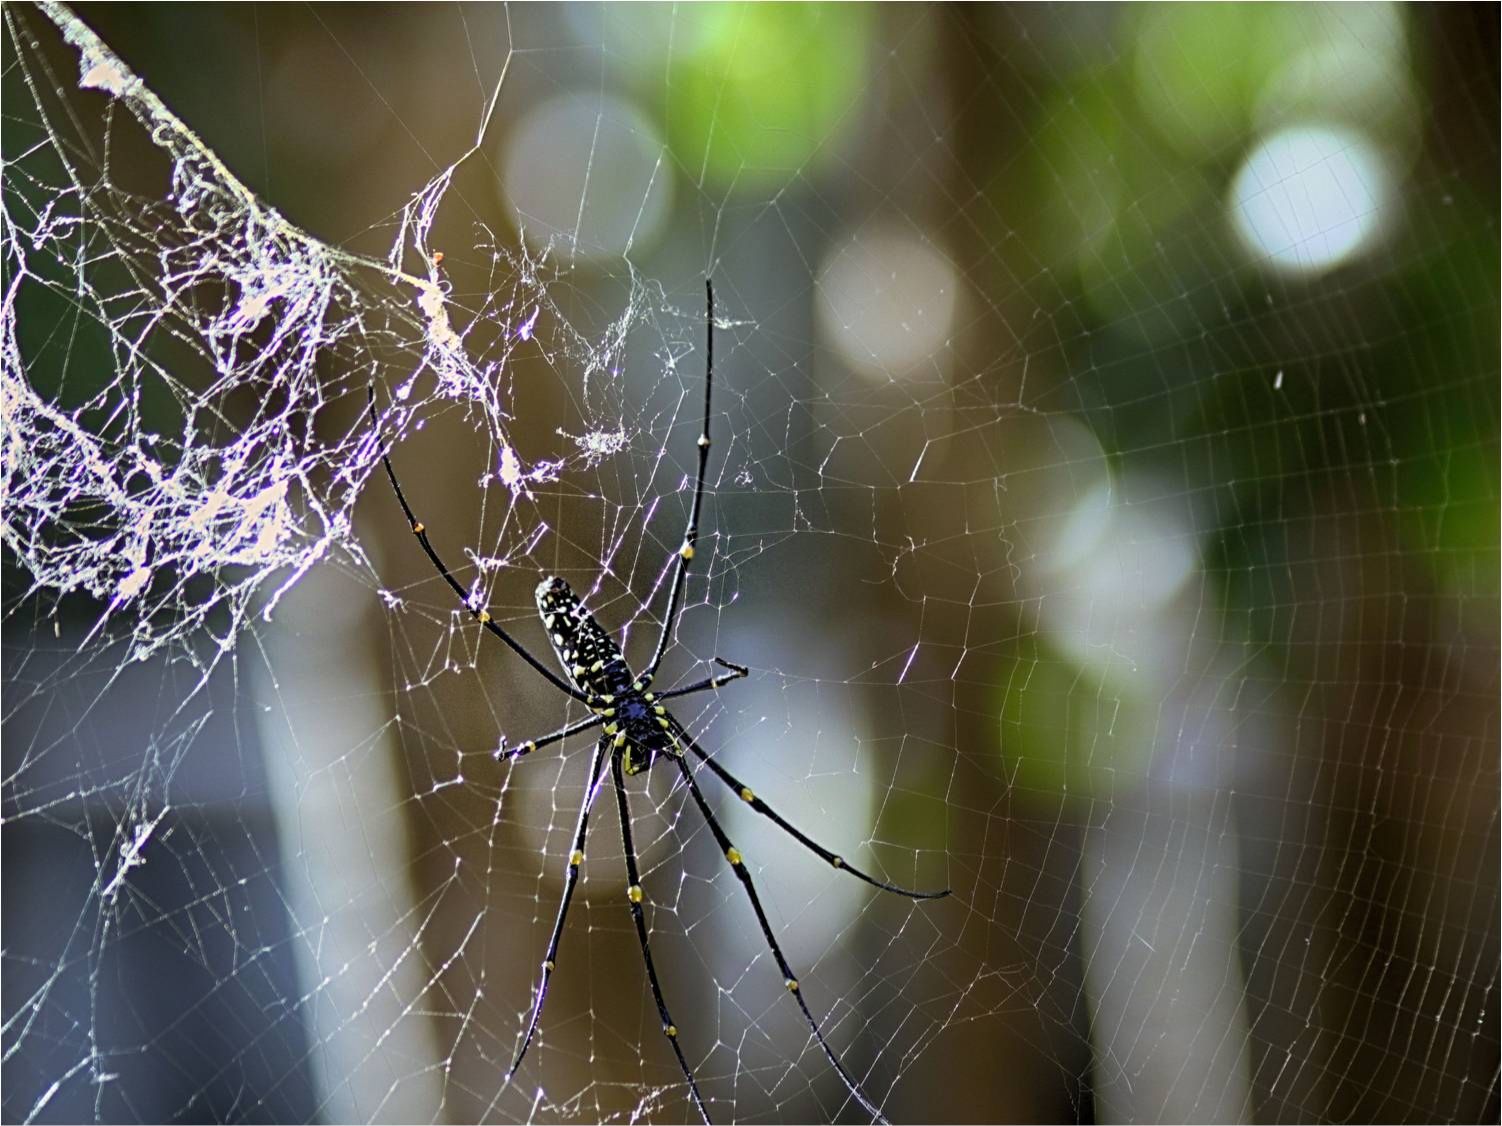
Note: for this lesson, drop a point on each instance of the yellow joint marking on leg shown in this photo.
(597, 666)
(704, 441)
(659, 709)
(746, 794)
(733, 855)
(670, 1030)
(607, 699)
(649, 696)
(612, 728)
(792, 984)
(483, 615)
(417, 528)
(576, 857)
(662, 723)
(634, 893)
(528, 747)
(620, 741)
(607, 711)
(687, 551)
(548, 965)
(578, 670)
(838, 861)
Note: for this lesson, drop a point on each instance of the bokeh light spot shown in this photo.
(1309, 198)
(587, 172)
(887, 302)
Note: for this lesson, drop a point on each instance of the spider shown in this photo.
(636, 731)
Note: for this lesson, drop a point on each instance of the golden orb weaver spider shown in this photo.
(636, 730)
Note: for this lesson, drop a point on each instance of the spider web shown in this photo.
(1104, 497)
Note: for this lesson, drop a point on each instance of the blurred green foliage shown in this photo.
(1200, 71)
(1358, 402)
(1070, 732)
(757, 91)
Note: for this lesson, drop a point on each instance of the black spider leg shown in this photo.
(790, 979)
(548, 740)
(575, 859)
(482, 616)
(691, 536)
(749, 796)
(735, 673)
(635, 895)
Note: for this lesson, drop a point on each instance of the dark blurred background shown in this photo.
(1106, 497)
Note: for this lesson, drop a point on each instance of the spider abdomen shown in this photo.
(589, 655)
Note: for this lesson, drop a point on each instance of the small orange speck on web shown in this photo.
(438, 258)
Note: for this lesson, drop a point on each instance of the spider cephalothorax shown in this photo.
(636, 731)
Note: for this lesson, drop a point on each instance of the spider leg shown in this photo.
(635, 895)
(531, 745)
(691, 535)
(735, 673)
(749, 796)
(790, 979)
(419, 529)
(575, 859)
